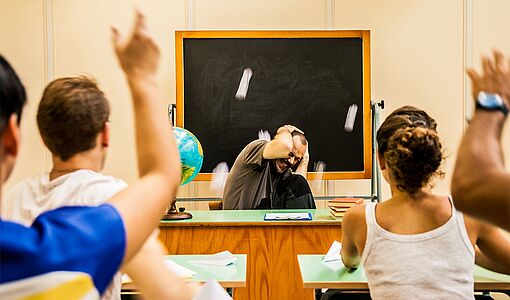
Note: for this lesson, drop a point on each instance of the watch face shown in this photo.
(489, 100)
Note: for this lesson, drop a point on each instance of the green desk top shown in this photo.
(233, 275)
(254, 217)
(315, 274)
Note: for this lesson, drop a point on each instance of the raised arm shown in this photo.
(483, 261)
(281, 145)
(480, 185)
(302, 168)
(153, 279)
(492, 247)
(142, 203)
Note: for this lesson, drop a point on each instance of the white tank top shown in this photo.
(432, 265)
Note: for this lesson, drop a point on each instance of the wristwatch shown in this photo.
(488, 101)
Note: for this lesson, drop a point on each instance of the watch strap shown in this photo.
(502, 108)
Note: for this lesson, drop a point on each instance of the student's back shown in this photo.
(416, 245)
(412, 216)
(37, 194)
(404, 256)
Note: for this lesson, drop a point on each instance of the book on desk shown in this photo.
(338, 206)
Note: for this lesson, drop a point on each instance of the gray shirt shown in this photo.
(251, 179)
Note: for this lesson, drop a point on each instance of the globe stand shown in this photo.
(172, 214)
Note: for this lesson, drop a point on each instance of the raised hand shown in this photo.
(495, 77)
(291, 129)
(138, 55)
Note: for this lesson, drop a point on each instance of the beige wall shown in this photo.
(418, 57)
(491, 30)
(22, 41)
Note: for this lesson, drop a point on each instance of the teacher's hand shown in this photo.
(291, 129)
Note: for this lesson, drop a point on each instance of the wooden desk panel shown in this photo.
(272, 248)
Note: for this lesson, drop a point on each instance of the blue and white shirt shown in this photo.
(68, 253)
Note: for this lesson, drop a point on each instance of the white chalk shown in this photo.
(264, 135)
(219, 177)
(319, 168)
(350, 118)
(242, 90)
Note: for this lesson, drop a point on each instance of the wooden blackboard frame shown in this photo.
(180, 36)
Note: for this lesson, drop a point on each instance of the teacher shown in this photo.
(262, 176)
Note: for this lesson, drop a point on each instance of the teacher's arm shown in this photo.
(281, 145)
(302, 168)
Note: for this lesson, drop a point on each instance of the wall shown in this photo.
(419, 52)
(22, 31)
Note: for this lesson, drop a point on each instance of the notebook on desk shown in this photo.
(288, 216)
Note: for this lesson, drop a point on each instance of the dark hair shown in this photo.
(410, 145)
(302, 137)
(72, 112)
(12, 93)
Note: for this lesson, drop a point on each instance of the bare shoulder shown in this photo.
(355, 215)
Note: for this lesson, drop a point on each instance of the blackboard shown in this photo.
(305, 78)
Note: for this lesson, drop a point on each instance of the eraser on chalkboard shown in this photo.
(242, 90)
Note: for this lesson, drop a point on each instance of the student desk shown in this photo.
(271, 246)
(317, 275)
(231, 276)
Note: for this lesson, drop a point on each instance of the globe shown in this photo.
(192, 155)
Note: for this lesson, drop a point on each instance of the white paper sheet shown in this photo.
(334, 265)
(126, 278)
(287, 216)
(333, 252)
(179, 270)
(224, 258)
(212, 290)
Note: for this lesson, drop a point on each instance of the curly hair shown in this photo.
(409, 143)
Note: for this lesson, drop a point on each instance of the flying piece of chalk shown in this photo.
(219, 177)
(350, 118)
(319, 168)
(264, 135)
(242, 90)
